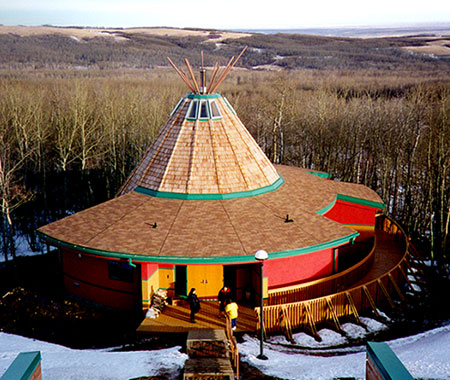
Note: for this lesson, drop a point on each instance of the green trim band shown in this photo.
(359, 201)
(327, 208)
(229, 106)
(348, 198)
(197, 260)
(209, 197)
(200, 96)
(320, 174)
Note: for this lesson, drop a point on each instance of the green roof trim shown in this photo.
(360, 201)
(229, 106)
(320, 174)
(197, 260)
(348, 198)
(200, 96)
(209, 197)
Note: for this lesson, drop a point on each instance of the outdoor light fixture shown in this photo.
(261, 255)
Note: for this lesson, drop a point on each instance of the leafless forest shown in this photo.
(69, 138)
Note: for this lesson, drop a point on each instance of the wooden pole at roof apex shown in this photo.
(228, 69)
(202, 77)
(182, 75)
(222, 74)
(211, 88)
(192, 75)
(213, 77)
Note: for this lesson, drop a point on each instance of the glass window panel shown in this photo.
(214, 109)
(203, 110)
(193, 110)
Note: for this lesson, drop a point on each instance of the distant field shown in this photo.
(439, 47)
(117, 34)
(47, 47)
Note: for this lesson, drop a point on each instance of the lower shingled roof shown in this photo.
(205, 230)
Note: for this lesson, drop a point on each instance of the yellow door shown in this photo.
(206, 279)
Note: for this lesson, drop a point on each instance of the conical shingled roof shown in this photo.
(204, 149)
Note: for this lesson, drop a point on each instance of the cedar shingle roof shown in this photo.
(203, 155)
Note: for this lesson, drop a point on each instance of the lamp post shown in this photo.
(261, 255)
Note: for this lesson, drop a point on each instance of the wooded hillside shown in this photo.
(147, 49)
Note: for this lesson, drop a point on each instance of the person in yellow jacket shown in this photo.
(231, 309)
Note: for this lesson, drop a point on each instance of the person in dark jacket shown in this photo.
(223, 296)
(194, 304)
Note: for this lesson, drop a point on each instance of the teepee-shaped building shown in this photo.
(201, 202)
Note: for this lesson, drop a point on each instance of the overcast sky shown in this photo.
(245, 14)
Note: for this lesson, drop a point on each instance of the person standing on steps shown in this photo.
(223, 296)
(194, 304)
(231, 309)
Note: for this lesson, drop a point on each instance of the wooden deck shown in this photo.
(388, 253)
(176, 319)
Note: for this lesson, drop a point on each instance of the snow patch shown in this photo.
(59, 362)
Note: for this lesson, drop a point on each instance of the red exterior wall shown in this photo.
(295, 269)
(88, 277)
(351, 213)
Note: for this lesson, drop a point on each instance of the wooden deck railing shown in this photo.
(322, 287)
(348, 303)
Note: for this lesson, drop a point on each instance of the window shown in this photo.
(192, 114)
(203, 111)
(120, 271)
(214, 109)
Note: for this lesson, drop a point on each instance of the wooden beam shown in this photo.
(213, 77)
(333, 314)
(192, 75)
(228, 68)
(284, 319)
(386, 294)
(397, 289)
(221, 76)
(180, 73)
(352, 307)
(406, 278)
(371, 301)
(311, 323)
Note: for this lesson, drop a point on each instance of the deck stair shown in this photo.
(210, 355)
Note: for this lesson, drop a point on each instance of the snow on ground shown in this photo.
(425, 355)
(60, 362)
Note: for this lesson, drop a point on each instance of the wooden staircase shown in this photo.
(212, 355)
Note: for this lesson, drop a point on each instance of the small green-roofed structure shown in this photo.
(26, 366)
(382, 361)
